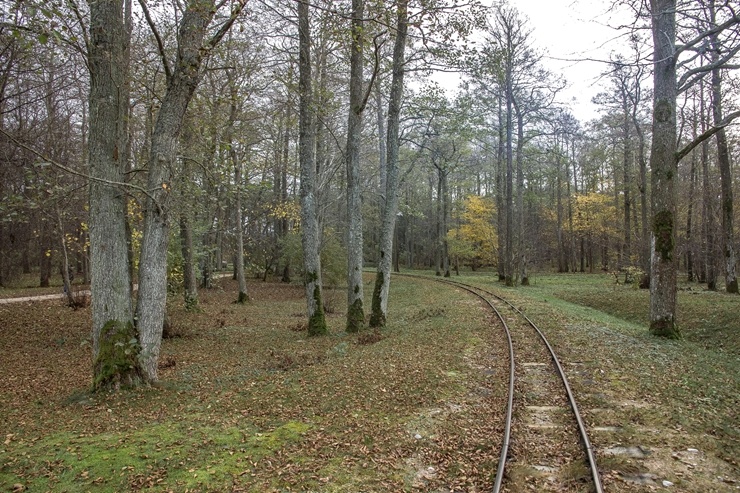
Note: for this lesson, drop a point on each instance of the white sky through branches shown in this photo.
(575, 38)
(571, 30)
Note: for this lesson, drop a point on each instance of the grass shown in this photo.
(666, 395)
(28, 285)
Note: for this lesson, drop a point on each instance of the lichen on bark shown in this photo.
(665, 327)
(663, 231)
(117, 362)
(355, 316)
(317, 321)
(377, 317)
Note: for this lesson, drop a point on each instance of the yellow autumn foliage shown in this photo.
(475, 240)
(594, 214)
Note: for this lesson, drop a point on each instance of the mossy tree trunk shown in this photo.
(381, 289)
(664, 166)
(112, 316)
(355, 292)
(307, 157)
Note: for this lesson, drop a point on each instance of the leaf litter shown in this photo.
(248, 403)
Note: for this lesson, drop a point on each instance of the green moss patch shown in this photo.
(161, 457)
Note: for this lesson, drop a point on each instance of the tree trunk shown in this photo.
(243, 296)
(383, 274)
(723, 162)
(150, 309)
(239, 254)
(382, 149)
(520, 226)
(562, 263)
(710, 263)
(500, 193)
(355, 293)
(283, 185)
(438, 227)
(309, 219)
(45, 256)
(627, 184)
(509, 185)
(66, 281)
(690, 217)
(188, 265)
(115, 343)
(664, 166)
(644, 209)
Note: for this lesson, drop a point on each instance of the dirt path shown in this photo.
(40, 297)
(60, 296)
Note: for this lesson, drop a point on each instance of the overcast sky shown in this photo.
(575, 29)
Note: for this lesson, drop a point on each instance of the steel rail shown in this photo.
(598, 488)
(574, 406)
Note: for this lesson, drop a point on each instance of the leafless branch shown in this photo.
(216, 38)
(75, 172)
(160, 44)
(707, 134)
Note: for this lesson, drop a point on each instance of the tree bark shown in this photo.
(383, 274)
(520, 226)
(190, 280)
(500, 191)
(307, 143)
(690, 216)
(243, 295)
(708, 224)
(562, 259)
(626, 181)
(150, 309)
(239, 254)
(664, 166)
(66, 281)
(115, 340)
(723, 162)
(355, 292)
(509, 183)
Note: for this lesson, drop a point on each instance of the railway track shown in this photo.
(545, 446)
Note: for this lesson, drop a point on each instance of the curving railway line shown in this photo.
(545, 446)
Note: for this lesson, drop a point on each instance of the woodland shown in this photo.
(148, 147)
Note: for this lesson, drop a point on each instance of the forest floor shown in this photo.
(248, 403)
